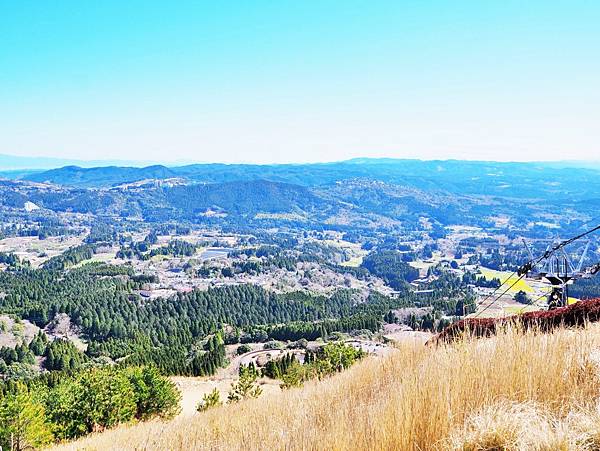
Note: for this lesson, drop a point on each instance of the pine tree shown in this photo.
(246, 387)
(209, 400)
(50, 359)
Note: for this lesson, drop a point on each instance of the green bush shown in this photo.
(102, 397)
(209, 400)
(243, 349)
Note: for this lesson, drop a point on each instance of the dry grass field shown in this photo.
(515, 391)
(38, 251)
(192, 389)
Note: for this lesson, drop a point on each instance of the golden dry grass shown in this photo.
(527, 426)
(514, 391)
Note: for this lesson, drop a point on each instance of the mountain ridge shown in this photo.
(459, 177)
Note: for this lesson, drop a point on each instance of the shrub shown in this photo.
(243, 349)
(209, 400)
(272, 345)
(100, 398)
(246, 386)
(573, 315)
(155, 395)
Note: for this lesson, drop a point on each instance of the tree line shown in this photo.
(62, 405)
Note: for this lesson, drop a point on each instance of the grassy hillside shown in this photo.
(514, 391)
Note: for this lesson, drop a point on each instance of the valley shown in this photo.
(299, 225)
(232, 289)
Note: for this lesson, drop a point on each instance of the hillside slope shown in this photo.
(513, 391)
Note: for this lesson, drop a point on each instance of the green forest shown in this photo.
(64, 405)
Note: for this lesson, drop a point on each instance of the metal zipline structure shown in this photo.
(556, 268)
(553, 267)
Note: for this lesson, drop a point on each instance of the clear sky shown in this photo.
(300, 80)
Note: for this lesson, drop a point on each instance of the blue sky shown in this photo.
(293, 81)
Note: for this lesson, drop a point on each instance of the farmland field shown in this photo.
(508, 278)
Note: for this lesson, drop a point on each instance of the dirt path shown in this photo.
(194, 388)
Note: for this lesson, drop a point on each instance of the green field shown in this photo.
(357, 254)
(354, 262)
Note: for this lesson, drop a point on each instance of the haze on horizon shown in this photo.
(268, 82)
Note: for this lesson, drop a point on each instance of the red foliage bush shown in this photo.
(571, 316)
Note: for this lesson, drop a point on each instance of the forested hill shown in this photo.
(180, 202)
(459, 177)
(364, 193)
(100, 176)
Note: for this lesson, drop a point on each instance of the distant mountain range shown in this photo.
(13, 166)
(534, 180)
(363, 192)
(28, 164)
